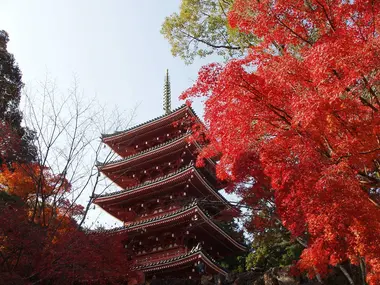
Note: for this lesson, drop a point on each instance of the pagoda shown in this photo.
(171, 210)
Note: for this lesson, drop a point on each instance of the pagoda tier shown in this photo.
(171, 239)
(152, 163)
(188, 220)
(151, 133)
(171, 209)
(189, 264)
(163, 194)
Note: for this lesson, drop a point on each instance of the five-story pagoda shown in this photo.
(170, 207)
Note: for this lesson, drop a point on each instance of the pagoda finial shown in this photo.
(167, 94)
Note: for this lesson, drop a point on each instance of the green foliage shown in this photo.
(201, 29)
(10, 116)
(232, 228)
(273, 249)
(234, 263)
(8, 198)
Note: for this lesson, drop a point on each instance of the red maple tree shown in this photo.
(40, 241)
(298, 118)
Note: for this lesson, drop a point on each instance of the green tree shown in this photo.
(10, 116)
(274, 248)
(201, 29)
(233, 263)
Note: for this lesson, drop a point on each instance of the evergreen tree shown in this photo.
(10, 116)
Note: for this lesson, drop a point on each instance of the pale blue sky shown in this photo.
(113, 47)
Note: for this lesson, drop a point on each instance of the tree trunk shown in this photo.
(346, 274)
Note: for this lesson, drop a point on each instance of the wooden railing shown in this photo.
(155, 256)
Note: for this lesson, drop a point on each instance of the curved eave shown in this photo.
(109, 166)
(114, 196)
(122, 135)
(176, 216)
(124, 194)
(181, 260)
(192, 209)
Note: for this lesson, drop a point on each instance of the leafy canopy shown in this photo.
(300, 116)
(273, 249)
(48, 247)
(201, 29)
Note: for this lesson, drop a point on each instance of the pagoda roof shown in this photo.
(173, 113)
(148, 151)
(194, 254)
(160, 181)
(192, 208)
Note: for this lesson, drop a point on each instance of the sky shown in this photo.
(113, 48)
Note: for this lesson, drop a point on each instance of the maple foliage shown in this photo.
(89, 258)
(45, 193)
(18, 237)
(22, 180)
(300, 116)
(41, 242)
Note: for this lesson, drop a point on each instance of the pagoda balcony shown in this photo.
(159, 254)
(154, 214)
(188, 259)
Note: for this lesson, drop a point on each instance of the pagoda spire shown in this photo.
(167, 94)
